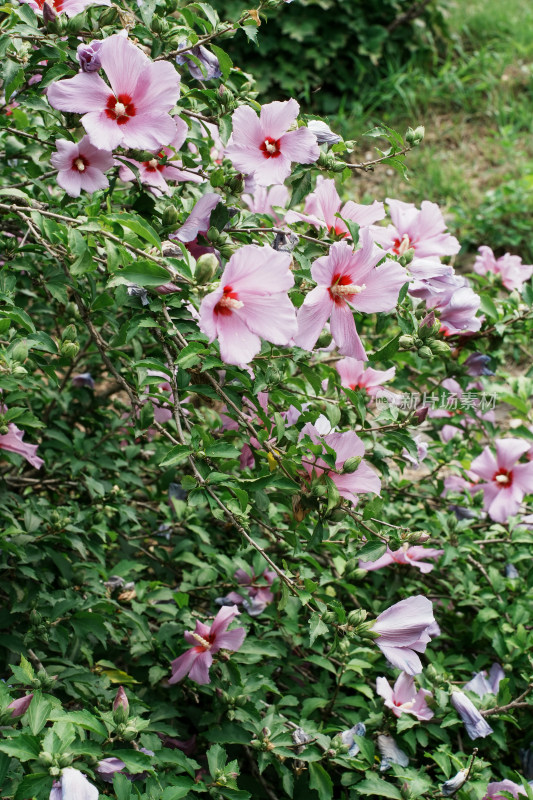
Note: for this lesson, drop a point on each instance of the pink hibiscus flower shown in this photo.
(12, 442)
(494, 790)
(322, 206)
(68, 7)
(404, 628)
(207, 641)
(346, 445)
(258, 587)
(163, 167)
(346, 280)
(265, 147)
(81, 165)
(403, 698)
(413, 556)
(355, 376)
(510, 268)
(422, 230)
(507, 481)
(197, 223)
(134, 111)
(250, 304)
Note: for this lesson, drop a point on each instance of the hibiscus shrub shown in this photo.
(265, 455)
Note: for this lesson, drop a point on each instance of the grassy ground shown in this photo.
(477, 107)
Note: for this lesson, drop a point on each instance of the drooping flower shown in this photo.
(83, 379)
(421, 452)
(107, 767)
(207, 640)
(453, 785)
(458, 313)
(403, 629)
(359, 729)
(348, 280)
(73, 785)
(263, 200)
(208, 68)
(403, 698)
(475, 725)
(346, 446)
(259, 594)
(413, 556)
(494, 790)
(198, 220)
(250, 304)
(322, 206)
(482, 685)
(134, 111)
(507, 481)
(19, 706)
(12, 442)
(88, 56)
(265, 147)
(163, 167)
(68, 7)
(510, 268)
(323, 133)
(354, 376)
(81, 165)
(423, 230)
(390, 753)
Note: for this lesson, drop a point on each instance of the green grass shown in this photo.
(476, 104)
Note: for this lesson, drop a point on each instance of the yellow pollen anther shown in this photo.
(350, 288)
(230, 302)
(120, 109)
(154, 163)
(79, 164)
(202, 641)
(405, 244)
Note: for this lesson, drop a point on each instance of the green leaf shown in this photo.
(222, 450)
(181, 787)
(373, 508)
(37, 785)
(38, 712)
(371, 551)
(188, 357)
(82, 718)
(320, 780)
(138, 226)
(13, 75)
(143, 273)
(387, 351)
(134, 760)
(23, 747)
(374, 785)
(316, 627)
(216, 758)
(176, 455)
(301, 187)
(122, 786)
(224, 61)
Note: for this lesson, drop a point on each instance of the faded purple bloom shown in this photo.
(206, 641)
(259, 594)
(403, 629)
(391, 753)
(359, 729)
(19, 706)
(413, 556)
(475, 725)
(107, 767)
(403, 698)
(453, 785)
(477, 364)
(510, 268)
(88, 56)
(208, 68)
(323, 133)
(265, 146)
(506, 481)
(83, 379)
(73, 786)
(198, 220)
(482, 685)
(421, 452)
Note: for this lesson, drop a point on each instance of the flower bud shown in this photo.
(357, 616)
(324, 340)
(414, 137)
(425, 352)
(69, 334)
(121, 707)
(159, 24)
(64, 760)
(213, 235)
(406, 258)
(46, 758)
(421, 414)
(107, 17)
(440, 348)
(170, 216)
(49, 13)
(227, 249)
(351, 464)
(206, 267)
(406, 341)
(19, 706)
(235, 184)
(415, 537)
(20, 352)
(69, 349)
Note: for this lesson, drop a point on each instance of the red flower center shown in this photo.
(120, 108)
(80, 163)
(209, 639)
(154, 165)
(270, 147)
(342, 289)
(400, 246)
(56, 4)
(228, 303)
(504, 478)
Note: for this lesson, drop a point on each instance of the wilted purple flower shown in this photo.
(83, 379)
(87, 55)
(390, 753)
(140, 292)
(511, 571)
(476, 364)
(359, 729)
(475, 725)
(404, 628)
(454, 784)
(107, 767)
(19, 706)
(323, 133)
(481, 685)
(209, 69)
(198, 220)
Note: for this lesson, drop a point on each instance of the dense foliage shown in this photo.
(236, 528)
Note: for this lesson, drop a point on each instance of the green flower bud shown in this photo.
(406, 258)
(351, 464)
(4, 429)
(414, 137)
(425, 352)
(324, 340)
(213, 235)
(35, 617)
(159, 24)
(20, 352)
(357, 616)
(406, 341)
(235, 184)
(206, 267)
(328, 616)
(70, 334)
(441, 348)
(64, 760)
(46, 758)
(227, 249)
(170, 216)
(69, 349)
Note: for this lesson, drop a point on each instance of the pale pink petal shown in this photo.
(382, 287)
(223, 619)
(295, 216)
(508, 451)
(163, 91)
(182, 665)
(85, 92)
(300, 146)
(104, 133)
(199, 672)
(344, 332)
(258, 270)
(146, 130)
(351, 371)
(384, 689)
(269, 171)
(485, 465)
(312, 316)
(404, 688)
(523, 477)
(402, 623)
(198, 219)
(66, 153)
(402, 658)
(503, 506)
(12, 442)
(230, 640)
(384, 561)
(238, 345)
(247, 130)
(362, 214)
(70, 181)
(277, 117)
(324, 202)
(403, 215)
(93, 179)
(247, 159)
(271, 317)
(126, 66)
